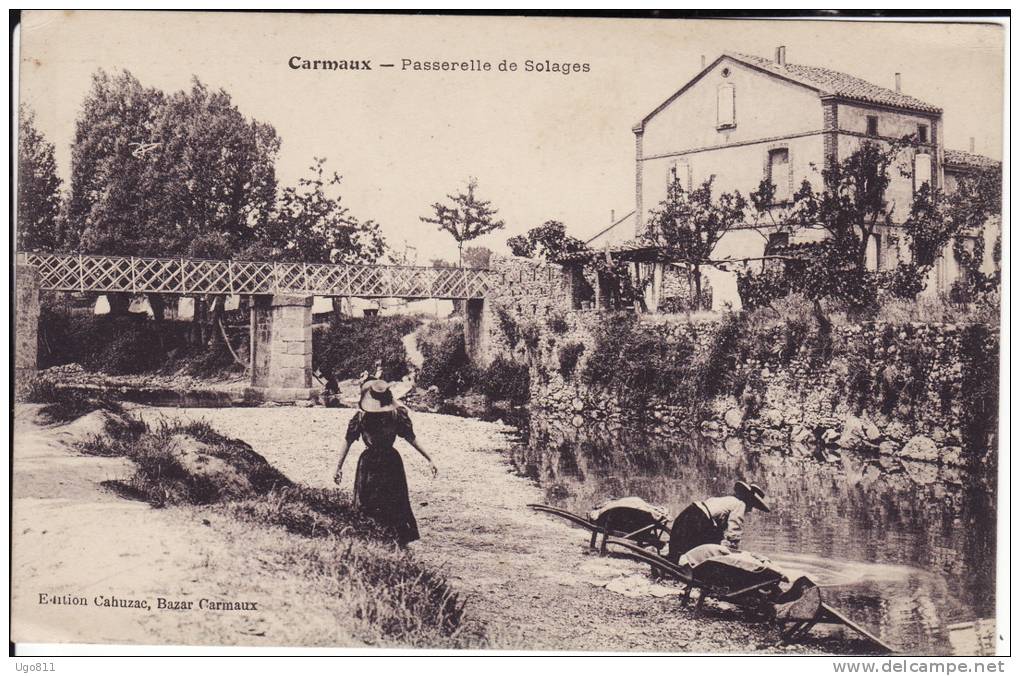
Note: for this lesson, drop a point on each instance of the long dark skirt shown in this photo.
(692, 528)
(380, 491)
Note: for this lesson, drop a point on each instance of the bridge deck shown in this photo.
(187, 276)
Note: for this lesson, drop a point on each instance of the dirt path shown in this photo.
(528, 577)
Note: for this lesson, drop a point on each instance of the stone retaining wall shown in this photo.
(853, 395)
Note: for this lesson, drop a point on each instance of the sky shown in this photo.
(543, 145)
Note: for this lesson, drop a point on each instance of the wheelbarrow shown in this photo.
(759, 589)
(629, 519)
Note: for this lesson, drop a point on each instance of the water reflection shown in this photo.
(906, 549)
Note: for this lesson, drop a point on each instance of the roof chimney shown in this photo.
(971, 144)
(899, 83)
(702, 62)
(781, 55)
(612, 216)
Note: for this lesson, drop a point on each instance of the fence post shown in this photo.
(184, 279)
(81, 273)
(134, 276)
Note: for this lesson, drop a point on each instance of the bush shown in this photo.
(569, 355)
(350, 347)
(979, 408)
(506, 380)
(638, 363)
(446, 365)
(122, 345)
(557, 323)
(116, 345)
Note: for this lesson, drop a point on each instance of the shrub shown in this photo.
(569, 355)
(979, 387)
(117, 345)
(637, 362)
(508, 326)
(446, 365)
(796, 331)
(63, 404)
(557, 323)
(506, 380)
(350, 347)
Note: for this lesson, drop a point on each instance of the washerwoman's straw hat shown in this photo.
(376, 397)
(752, 494)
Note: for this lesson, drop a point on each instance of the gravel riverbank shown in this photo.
(528, 578)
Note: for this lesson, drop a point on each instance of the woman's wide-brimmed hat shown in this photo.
(376, 397)
(752, 494)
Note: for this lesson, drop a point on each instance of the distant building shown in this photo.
(744, 118)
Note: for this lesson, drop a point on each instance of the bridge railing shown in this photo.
(187, 276)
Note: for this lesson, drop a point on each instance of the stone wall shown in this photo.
(26, 318)
(892, 389)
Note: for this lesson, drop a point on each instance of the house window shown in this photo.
(681, 171)
(779, 173)
(872, 125)
(922, 170)
(873, 253)
(726, 107)
(922, 133)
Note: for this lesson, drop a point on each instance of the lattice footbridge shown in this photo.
(189, 276)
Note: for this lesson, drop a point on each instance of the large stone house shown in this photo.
(744, 118)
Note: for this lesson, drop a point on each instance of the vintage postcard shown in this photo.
(508, 333)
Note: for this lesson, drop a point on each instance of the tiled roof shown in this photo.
(835, 83)
(961, 158)
(625, 249)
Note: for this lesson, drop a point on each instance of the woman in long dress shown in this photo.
(380, 484)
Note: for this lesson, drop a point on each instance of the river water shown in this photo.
(907, 549)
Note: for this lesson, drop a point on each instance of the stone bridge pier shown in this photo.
(477, 329)
(281, 348)
(26, 325)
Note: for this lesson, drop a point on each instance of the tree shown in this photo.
(977, 199)
(689, 224)
(313, 225)
(853, 204)
(477, 256)
(466, 218)
(159, 174)
(38, 188)
(549, 241)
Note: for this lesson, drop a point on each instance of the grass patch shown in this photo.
(62, 404)
(393, 599)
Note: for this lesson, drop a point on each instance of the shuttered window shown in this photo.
(779, 173)
(726, 106)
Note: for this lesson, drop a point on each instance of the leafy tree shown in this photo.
(313, 225)
(690, 223)
(850, 208)
(159, 174)
(977, 199)
(477, 256)
(465, 218)
(549, 241)
(38, 188)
